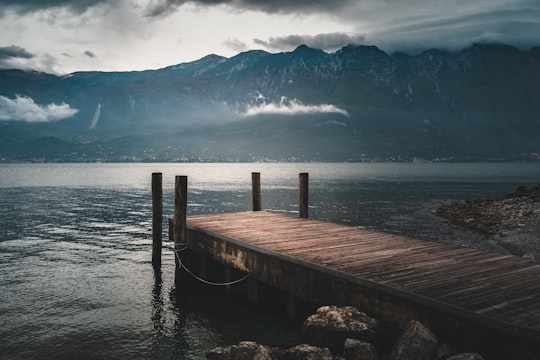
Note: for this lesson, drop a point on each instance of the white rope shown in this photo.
(184, 247)
(181, 265)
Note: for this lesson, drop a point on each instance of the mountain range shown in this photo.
(357, 104)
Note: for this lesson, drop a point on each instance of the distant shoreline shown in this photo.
(271, 161)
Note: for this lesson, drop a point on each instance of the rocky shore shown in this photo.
(334, 333)
(512, 222)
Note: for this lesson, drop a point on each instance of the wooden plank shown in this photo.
(492, 277)
(489, 294)
(369, 264)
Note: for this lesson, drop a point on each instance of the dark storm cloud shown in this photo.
(329, 42)
(90, 54)
(504, 24)
(28, 6)
(165, 7)
(395, 24)
(10, 52)
(490, 19)
(236, 45)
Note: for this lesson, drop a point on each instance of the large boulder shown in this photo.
(308, 352)
(245, 350)
(444, 351)
(330, 326)
(355, 349)
(415, 343)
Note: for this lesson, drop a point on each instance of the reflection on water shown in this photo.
(76, 279)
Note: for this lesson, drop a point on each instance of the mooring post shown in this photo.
(171, 230)
(157, 218)
(180, 214)
(303, 195)
(256, 190)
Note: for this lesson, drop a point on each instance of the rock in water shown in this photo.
(466, 356)
(330, 326)
(355, 349)
(308, 352)
(249, 350)
(415, 343)
(245, 350)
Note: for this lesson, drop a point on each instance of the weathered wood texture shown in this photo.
(325, 262)
(180, 211)
(303, 195)
(256, 191)
(180, 225)
(157, 217)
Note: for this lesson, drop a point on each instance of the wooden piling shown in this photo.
(157, 218)
(303, 195)
(180, 213)
(256, 191)
(171, 230)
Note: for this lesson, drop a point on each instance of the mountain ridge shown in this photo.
(476, 104)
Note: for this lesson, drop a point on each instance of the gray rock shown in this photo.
(308, 352)
(332, 325)
(245, 350)
(355, 349)
(279, 353)
(415, 343)
(249, 350)
(444, 351)
(466, 356)
(219, 353)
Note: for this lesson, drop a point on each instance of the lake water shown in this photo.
(76, 279)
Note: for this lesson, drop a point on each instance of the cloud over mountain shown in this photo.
(23, 108)
(13, 51)
(328, 42)
(10, 54)
(497, 21)
(292, 107)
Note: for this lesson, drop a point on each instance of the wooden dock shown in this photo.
(481, 294)
(480, 301)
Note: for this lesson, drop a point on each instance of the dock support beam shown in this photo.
(227, 276)
(157, 218)
(253, 291)
(256, 191)
(303, 195)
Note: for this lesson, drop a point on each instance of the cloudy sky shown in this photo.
(63, 36)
